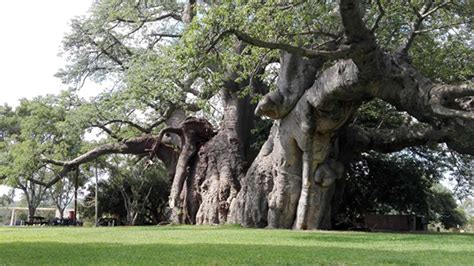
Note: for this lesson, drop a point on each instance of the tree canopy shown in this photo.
(345, 81)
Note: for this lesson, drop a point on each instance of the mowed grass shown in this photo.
(227, 245)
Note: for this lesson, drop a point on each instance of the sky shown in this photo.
(31, 35)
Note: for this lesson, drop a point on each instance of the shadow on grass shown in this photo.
(337, 237)
(48, 253)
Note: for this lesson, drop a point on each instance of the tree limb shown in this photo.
(166, 35)
(421, 14)
(392, 140)
(108, 131)
(309, 53)
(152, 19)
(379, 17)
(442, 106)
(355, 29)
(136, 146)
(146, 130)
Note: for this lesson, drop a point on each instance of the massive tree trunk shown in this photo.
(292, 180)
(213, 168)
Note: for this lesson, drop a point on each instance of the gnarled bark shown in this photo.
(302, 158)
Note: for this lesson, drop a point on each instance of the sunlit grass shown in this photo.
(227, 245)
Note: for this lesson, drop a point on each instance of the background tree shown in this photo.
(39, 127)
(395, 184)
(62, 194)
(132, 194)
(444, 208)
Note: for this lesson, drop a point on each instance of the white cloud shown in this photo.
(32, 32)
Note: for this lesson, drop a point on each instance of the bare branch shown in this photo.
(152, 19)
(429, 13)
(110, 55)
(130, 123)
(315, 32)
(440, 27)
(108, 131)
(54, 162)
(291, 5)
(165, 35)
(421, 14)
(309, 53)
(160, 121)
(379, 17)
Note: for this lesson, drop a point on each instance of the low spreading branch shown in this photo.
(392, 140)
(135, 146)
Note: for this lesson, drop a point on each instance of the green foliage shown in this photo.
(130, 189)
(118, 44)
(457, 167)
(444, 209)
(7, 199)
(45, 126)
(384, 183)
(123, 41)
(379, 114)
(398, 184)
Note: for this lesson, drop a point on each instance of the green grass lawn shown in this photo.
(208, 245)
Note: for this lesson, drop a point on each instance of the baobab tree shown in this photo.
(333, 57)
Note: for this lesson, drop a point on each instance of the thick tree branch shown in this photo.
(309, 53)
(442, 106)
(189, 11)
(355, 29)
(429, 102)
(392, 140)
(136, 146)
(443, 96)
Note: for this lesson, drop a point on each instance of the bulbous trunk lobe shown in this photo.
(292, 181)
